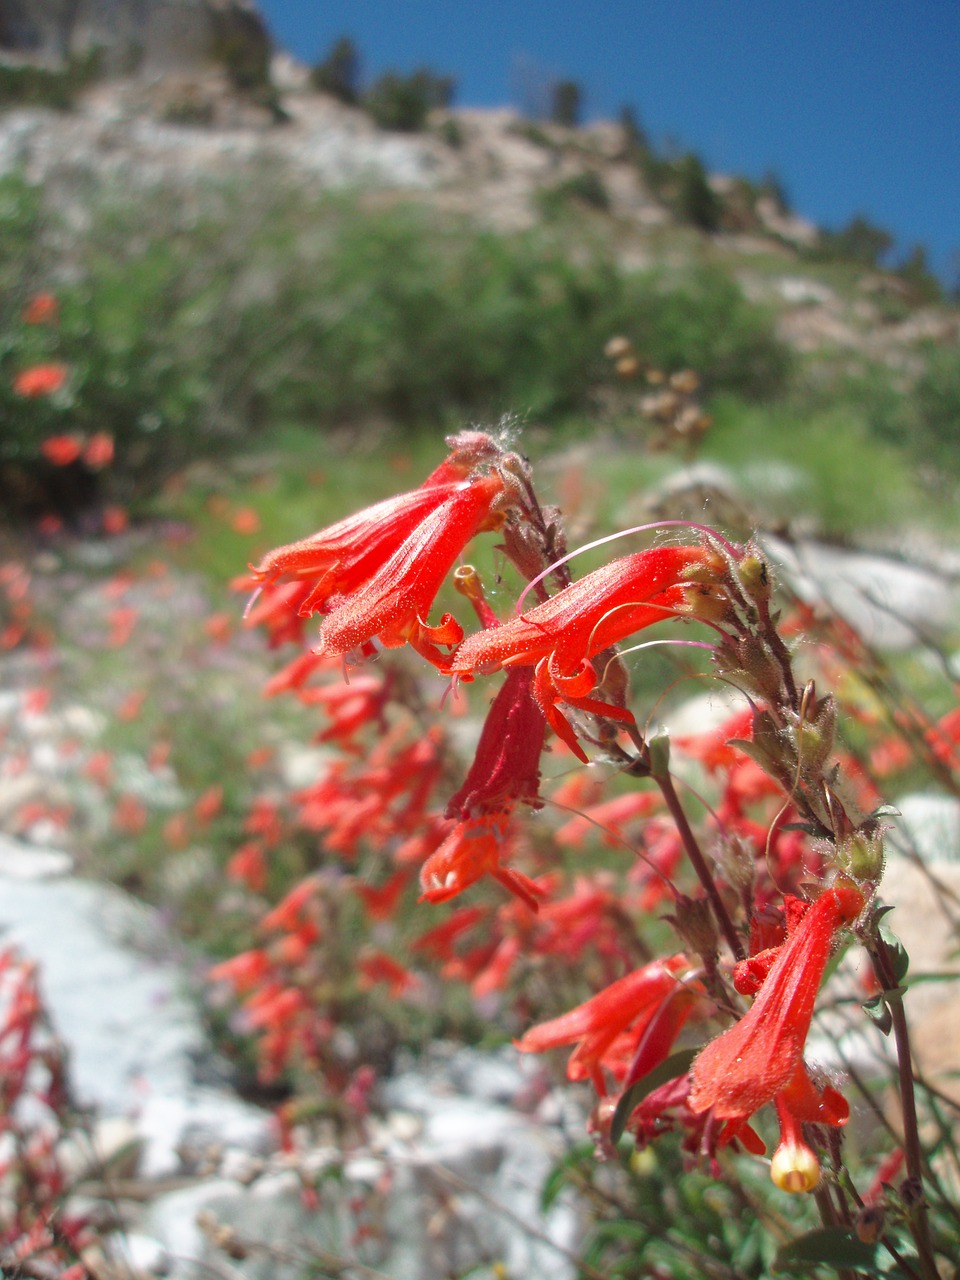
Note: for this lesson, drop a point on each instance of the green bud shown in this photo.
(860, 855)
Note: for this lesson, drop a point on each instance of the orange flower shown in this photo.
(342, 557)
(760, 1058)
(473, 849)
(377, 967)
(40, 380)
(760, 1055)
(114, 520)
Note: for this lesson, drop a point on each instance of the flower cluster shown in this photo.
(794, 853)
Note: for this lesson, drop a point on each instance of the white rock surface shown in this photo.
(133, 1034)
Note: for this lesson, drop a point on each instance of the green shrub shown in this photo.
(403, 103)
(566, 103)
(193, 328)
(694, 200)
(35, 86)
(859, 241)
(586, 188)
(339, 72)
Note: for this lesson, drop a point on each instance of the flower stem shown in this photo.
(916, 1212)
(695, 854)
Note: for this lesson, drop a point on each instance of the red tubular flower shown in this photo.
(341, 558)
(760, 1058)
(505, 770)
(506, 766)
(611, 1027)
(473, 849)
(560, 636)
(391, 606)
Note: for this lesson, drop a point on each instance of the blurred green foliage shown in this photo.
(191, 326)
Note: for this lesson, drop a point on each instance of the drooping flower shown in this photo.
(506, 765)
(560, 637)
(611, 1027)
(505, 771)
(759, 1057)
(392, 605)
(474, 848)
(339, 559)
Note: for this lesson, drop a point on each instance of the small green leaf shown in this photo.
(835, 1246)
(886, 811)
(899, 959)
(676, 1065)
(878, 1011)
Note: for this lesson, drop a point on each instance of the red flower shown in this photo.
(42, 308)
(99, 450)
(610, 1029)
(506, 766)
(560, 636)
(40, 380)
(62, 450)
(760, 1058)
(342, 557)
(391, 606)
(473, 849)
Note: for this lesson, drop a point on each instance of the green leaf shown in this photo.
(559, 1176)
(835, 1246)
(899, 959)
(676, 1065)
(878, 1011)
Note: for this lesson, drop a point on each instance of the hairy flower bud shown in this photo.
(860, 855)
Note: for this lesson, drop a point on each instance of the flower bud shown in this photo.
(754, 577)
(869, 1223)
(860, 855)
(794, 1167)
(694, 922)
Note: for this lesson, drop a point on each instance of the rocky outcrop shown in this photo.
(136, 35)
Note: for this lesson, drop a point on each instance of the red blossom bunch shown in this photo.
(36, 1236)
(761, 890)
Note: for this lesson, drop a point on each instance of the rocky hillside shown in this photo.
(183, 118)
(131, 35)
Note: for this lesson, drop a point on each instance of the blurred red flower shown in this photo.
(40, 380)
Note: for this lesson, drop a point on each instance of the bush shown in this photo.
(191, 328)
(586, 188)
(339, 72)
(403, 103)
(566, 103)
(860, 241)
(31, 86)
(695, 201)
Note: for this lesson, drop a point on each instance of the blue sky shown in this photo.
(855, 104)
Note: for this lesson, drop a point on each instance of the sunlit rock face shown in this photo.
(133, 35)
